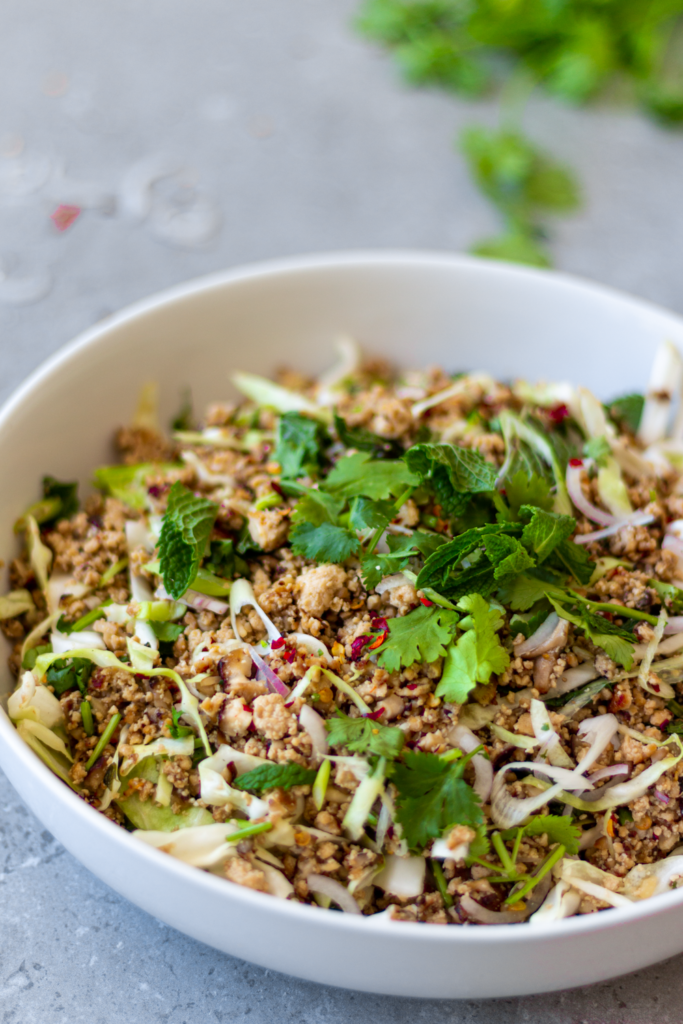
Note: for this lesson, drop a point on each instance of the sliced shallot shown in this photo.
(483, 915)
(273, 681)
(314, 725)
(464, 738)
(334, 891)
(551, 635)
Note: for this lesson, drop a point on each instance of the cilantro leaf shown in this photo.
(401, 549)
(185, 531)
(422, 635)
(520, 594)
(366, 513)
(545, 531)
(324, 543)
(167, 632)
(627, 411)
(478, 652)
(432, 796)
(275, 776)
(524, 488)
(365, 736)
(69, 673)
(597, 448)
(224, 561)
(317, 506)
(669, 595)
(299, 444)
(365, 441)
(359, 474)
(558, 828)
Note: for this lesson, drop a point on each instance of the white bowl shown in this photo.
(415, 308)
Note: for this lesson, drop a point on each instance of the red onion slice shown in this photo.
(637, 519)
(592, 512)
(266, 674)
(662, 797)
(313, 724)
(334, 891)
(674, 625)
(200, 602)
(612, 769)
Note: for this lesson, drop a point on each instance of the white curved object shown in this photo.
(416, 309)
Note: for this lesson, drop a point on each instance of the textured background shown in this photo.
(279, 131)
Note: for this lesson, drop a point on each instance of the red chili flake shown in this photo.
(64, 216)
(379, 641)
(374, 715)
(655, 686)
(277, 644)
(558, 413)
(576, 462)
(289, 656)
(427, 603)
(378, 625)
(358, 645)
(276, 487)
(156, 490)
(411, 686)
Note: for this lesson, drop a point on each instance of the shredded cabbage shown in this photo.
(15, 603)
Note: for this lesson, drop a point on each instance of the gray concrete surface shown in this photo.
(288, 134)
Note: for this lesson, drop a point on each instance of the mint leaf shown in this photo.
(627, 411)
(324, 543)
(359, 474)
(67, 494)
(365, 736)
(452, 471)
(185, 531)
(420, 636)
(365, 441)
(574, 558)
(69, 674)
(275, 776)
(545, 531)
(477, 654)
(299, 445)
(507, 555)
(432, 796)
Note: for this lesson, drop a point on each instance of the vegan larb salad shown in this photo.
(387, 642)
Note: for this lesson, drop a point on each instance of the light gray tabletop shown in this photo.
(279, 131)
